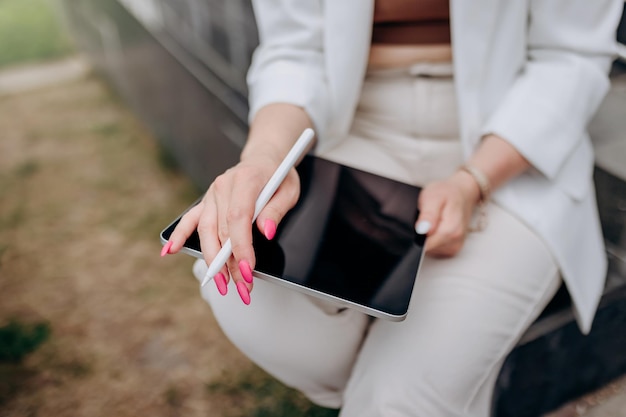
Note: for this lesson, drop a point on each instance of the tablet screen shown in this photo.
(349, 239)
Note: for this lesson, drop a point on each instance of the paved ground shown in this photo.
(609, 401)
(27, 78)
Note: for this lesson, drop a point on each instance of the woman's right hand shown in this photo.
(226, 211)
(227, 208)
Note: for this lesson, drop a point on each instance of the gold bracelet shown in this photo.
(484, 187)
(481, 180)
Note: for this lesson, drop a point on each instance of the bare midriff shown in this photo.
(407, 32)
(386, 56)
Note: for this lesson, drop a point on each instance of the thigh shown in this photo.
(307, 344)
(466, 314)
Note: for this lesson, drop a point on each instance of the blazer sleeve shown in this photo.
(570, 47)
(288, 64)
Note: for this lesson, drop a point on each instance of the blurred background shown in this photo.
(114, 115)
(92, 321)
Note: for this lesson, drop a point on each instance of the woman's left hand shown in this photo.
(445, 213)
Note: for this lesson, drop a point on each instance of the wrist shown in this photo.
(468, 186)
(262, 152)
(482, 193)
(480, 179)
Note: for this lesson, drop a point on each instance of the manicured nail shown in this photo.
(220, 282)
(246, 271)
(243, 292)
(269, 229)
(166, 248)
(422, 227)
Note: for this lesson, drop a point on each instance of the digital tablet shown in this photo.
(350, 240)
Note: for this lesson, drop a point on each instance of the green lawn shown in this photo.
(30, 31)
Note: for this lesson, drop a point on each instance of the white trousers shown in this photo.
(466, 314)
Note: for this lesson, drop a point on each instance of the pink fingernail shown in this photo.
(269, 229)
(166, 248)
(243, 292)
(220, 282)
(246, 271)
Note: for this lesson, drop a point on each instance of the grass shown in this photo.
(18, 339)
(30, 31)
(79, 249)
(260, 395)
(90, 189)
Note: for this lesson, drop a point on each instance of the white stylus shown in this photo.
(296, 151)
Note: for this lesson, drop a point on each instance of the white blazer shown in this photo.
(531, 71)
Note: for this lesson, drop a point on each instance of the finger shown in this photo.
(239, 216)
(445, 251)
(210, 245)
(283, 200)
(243, 288)
(430, 205)
(221, 283)
(209, 240)
(448, 238)
(221, 194)
(185, 227)
(445, 242)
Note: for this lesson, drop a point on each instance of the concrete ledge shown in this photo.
(25, 78)
(608, 128)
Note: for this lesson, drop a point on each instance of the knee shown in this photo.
(291, 338)
(402, 390)
(394, 397)
(247, 326)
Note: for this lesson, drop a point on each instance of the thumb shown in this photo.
(430, 207)
(284, 200)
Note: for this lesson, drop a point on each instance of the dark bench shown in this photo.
(554, 363)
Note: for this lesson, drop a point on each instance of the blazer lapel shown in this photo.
(472, 25)
(347, 35)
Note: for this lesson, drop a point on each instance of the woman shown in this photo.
(496, 137)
